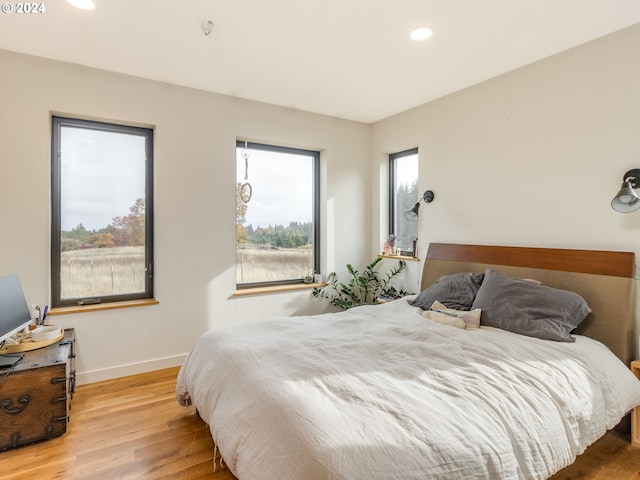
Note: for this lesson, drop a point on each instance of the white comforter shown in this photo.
(379, 392)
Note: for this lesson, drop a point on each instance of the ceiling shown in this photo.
(351, 59)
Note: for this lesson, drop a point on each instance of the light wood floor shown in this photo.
(133, 428)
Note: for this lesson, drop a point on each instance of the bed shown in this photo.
(386, 392)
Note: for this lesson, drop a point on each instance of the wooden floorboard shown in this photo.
(133, 428)
(128, 428)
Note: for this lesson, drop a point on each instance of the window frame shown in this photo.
(393, 157)
(57, 123)
(315, 210)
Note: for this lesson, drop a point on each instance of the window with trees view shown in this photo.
(102, 212)
(277, 211)
(403, 195)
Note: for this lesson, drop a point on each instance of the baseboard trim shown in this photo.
(110, 373)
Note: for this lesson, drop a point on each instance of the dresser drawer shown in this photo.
(34, 406)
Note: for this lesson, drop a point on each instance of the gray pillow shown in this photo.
(454, 291)
(534, 310)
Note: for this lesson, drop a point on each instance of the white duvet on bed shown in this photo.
(379, 392)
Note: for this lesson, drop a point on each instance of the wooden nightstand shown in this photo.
(35, 396)
(635, 413)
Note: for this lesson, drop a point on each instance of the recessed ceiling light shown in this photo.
(421, 33)
(83, 4)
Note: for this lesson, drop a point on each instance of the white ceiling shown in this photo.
(346, 58)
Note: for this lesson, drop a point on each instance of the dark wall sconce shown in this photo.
(412, 214)
(626, 200)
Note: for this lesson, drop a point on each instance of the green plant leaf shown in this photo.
(362, 288)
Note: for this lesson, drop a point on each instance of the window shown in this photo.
(277, 212)
(403, 194)
(102, 212)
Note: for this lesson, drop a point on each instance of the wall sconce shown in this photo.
(626, 200)
(428, 197)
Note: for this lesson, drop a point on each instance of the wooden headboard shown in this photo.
(604, 279)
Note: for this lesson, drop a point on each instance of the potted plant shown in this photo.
(363, 288)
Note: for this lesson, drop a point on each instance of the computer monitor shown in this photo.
(14, 311)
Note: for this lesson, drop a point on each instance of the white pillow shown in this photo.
(443, 318)
(471, 318)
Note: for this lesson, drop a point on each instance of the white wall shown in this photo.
(195, 134)
(530, 158)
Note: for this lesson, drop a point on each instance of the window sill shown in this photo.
(400, 257)
(102, 306)
(275, 289)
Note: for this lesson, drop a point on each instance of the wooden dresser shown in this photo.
(35, 396)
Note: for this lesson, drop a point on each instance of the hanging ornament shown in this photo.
(245, 189)
(245, 192)
(246, 153)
